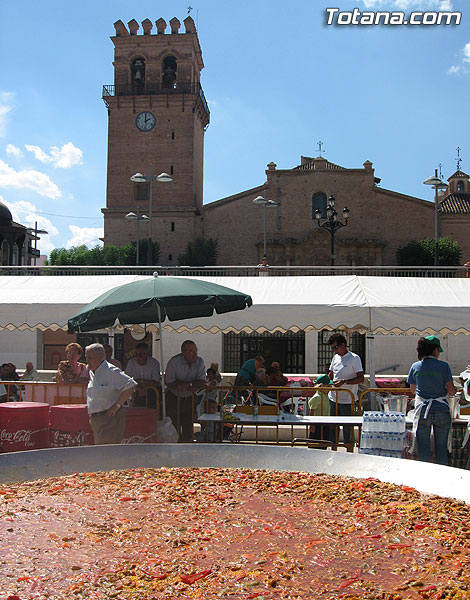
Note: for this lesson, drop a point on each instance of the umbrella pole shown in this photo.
(161, 361)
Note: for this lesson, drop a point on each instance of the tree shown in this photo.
(201, 253)
(112, 256)
(421, 253)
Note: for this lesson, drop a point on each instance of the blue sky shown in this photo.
(277, 79)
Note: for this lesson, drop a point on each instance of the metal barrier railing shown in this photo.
(273, 400)
(43, 391)
(54, 393)
(236, 270)
(382, 392)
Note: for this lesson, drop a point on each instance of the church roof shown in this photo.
(459, 174)
(455, 204)
(309, 163)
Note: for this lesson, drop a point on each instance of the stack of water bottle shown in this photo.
(383, 434)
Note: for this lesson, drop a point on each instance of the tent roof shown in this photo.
(382, 304)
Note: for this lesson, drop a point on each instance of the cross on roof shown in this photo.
(458, 159)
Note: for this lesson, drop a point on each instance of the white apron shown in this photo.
(419, 405)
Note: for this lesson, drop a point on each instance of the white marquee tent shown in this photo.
(376, 304)
(410, 305)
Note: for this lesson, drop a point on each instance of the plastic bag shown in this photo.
(166, 432)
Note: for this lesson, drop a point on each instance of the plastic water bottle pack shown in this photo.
(383, 434)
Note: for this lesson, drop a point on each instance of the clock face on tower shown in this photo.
(145, 121)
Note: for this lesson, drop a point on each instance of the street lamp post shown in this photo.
(35, 231)
(260, 201)
(437, 185)
(139, 178)
(137, 218)
(331, 224)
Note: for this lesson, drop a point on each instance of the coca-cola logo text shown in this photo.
(21, 436)
(61, 439)
(138, 439)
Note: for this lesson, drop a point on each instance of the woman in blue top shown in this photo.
(247, 372)
(431, 380)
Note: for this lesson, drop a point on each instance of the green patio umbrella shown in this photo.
(154, 300)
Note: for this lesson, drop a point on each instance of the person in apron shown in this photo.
(430, 379)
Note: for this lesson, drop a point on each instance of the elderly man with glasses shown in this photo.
(108, 390)
(346, 372)
(185, 374)
(146, 371)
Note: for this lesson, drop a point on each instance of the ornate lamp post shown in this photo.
(137, 218)
(260, 201)
(35, 232)
(437, 184)
(139, 178)
(331, 224)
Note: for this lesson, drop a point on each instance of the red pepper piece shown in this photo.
(351, 580)
(190, 579)
(429, 588)
(154, 575)
(126, 498)
(398, 546)
(346, 583)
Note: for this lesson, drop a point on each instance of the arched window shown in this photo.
(169, 72)
(460, 187)
(138, 74)
(319, 202)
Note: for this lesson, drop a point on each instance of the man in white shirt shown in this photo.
(146, 371)
(108, 389)
(185, 374)
(346, 372)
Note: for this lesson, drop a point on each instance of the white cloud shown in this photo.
(38, 153)
(62, 158)
(89, 236)
(6, 104)
(28, 179)
(466, 53)
(464, 66)
(13, 151)
(26, 214)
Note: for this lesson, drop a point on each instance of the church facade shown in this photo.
(157, 116)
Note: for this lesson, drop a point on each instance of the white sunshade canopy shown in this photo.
(412, 305)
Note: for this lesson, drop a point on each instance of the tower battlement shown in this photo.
(161, 26)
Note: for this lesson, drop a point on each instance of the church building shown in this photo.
(157, 116)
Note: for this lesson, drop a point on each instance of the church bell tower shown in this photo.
(157, 116)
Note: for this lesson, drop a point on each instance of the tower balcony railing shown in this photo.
(149, 89)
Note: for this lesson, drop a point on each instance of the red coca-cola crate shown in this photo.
(70, 426)
(24, 426)
(141, 426)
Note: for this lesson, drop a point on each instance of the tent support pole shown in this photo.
(162, 376)
(370, 358)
